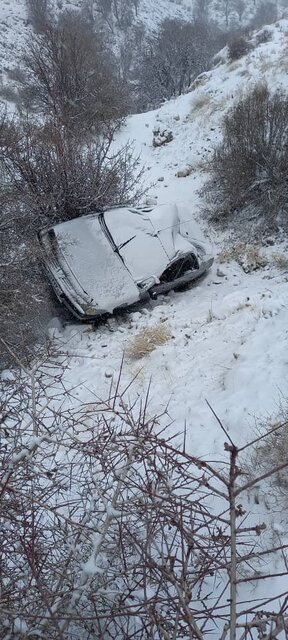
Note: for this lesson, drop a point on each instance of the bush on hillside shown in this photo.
(173, 58)
(263, 36)
(71, 79)
(238, 47)
(60, 178)
(250, 166)
(56, 163)
(39, 14)
(266, 13)
(112, 529)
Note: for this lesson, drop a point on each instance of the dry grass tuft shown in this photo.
(271, 452)
(280, 260)
(253, 259)
(147, 340)
(200, 101)
(231, 253)
(249, 257)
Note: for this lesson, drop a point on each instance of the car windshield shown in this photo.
(137, 243)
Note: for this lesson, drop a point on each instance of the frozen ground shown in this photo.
(229, 331)
(15, 30)
(228, 334)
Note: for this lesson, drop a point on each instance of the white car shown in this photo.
(104, 261)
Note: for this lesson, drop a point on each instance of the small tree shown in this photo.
(201, 10)
(120, 533)
(239, 6)
(173, 58)
(118, 13)
(71, 79)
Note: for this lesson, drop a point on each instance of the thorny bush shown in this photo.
(111, 529)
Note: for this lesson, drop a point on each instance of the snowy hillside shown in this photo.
(15, 29)
(228, 333)
(224, 346)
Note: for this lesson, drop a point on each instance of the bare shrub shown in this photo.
(26, 304)
(57, 160)
(271, 450)
(266, 13)
(39, 14)
(60, 178)
(70, 77)
(249, 167)
(263, 36)
(9, 93)
(110, 531)
(238, 47)
(119, 13)
(172, 58)
(147, 340)
(17, 74)
(239, 7)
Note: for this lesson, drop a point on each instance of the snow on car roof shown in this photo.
(147, 239)
(138, 244)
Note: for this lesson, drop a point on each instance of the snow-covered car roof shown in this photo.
(148, 239)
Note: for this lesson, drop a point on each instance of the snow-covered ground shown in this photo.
(16, 31)
(228, 332)
(228, 339)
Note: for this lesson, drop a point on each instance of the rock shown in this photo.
(184, 173)
(162, 137)
(150, 201)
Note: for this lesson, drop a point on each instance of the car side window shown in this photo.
(179, 268)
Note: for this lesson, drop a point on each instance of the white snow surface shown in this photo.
(228, 332)
(16, 30)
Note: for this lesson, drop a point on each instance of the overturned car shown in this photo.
(108, 260)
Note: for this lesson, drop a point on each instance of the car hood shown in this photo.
(91, 265)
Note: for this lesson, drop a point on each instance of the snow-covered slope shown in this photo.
(228, 333)
(15, 30)
(227, 337)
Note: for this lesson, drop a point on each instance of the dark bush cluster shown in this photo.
(266, 13)
(172, 58)
(238, 47)
(39, 14)
(250, 166)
